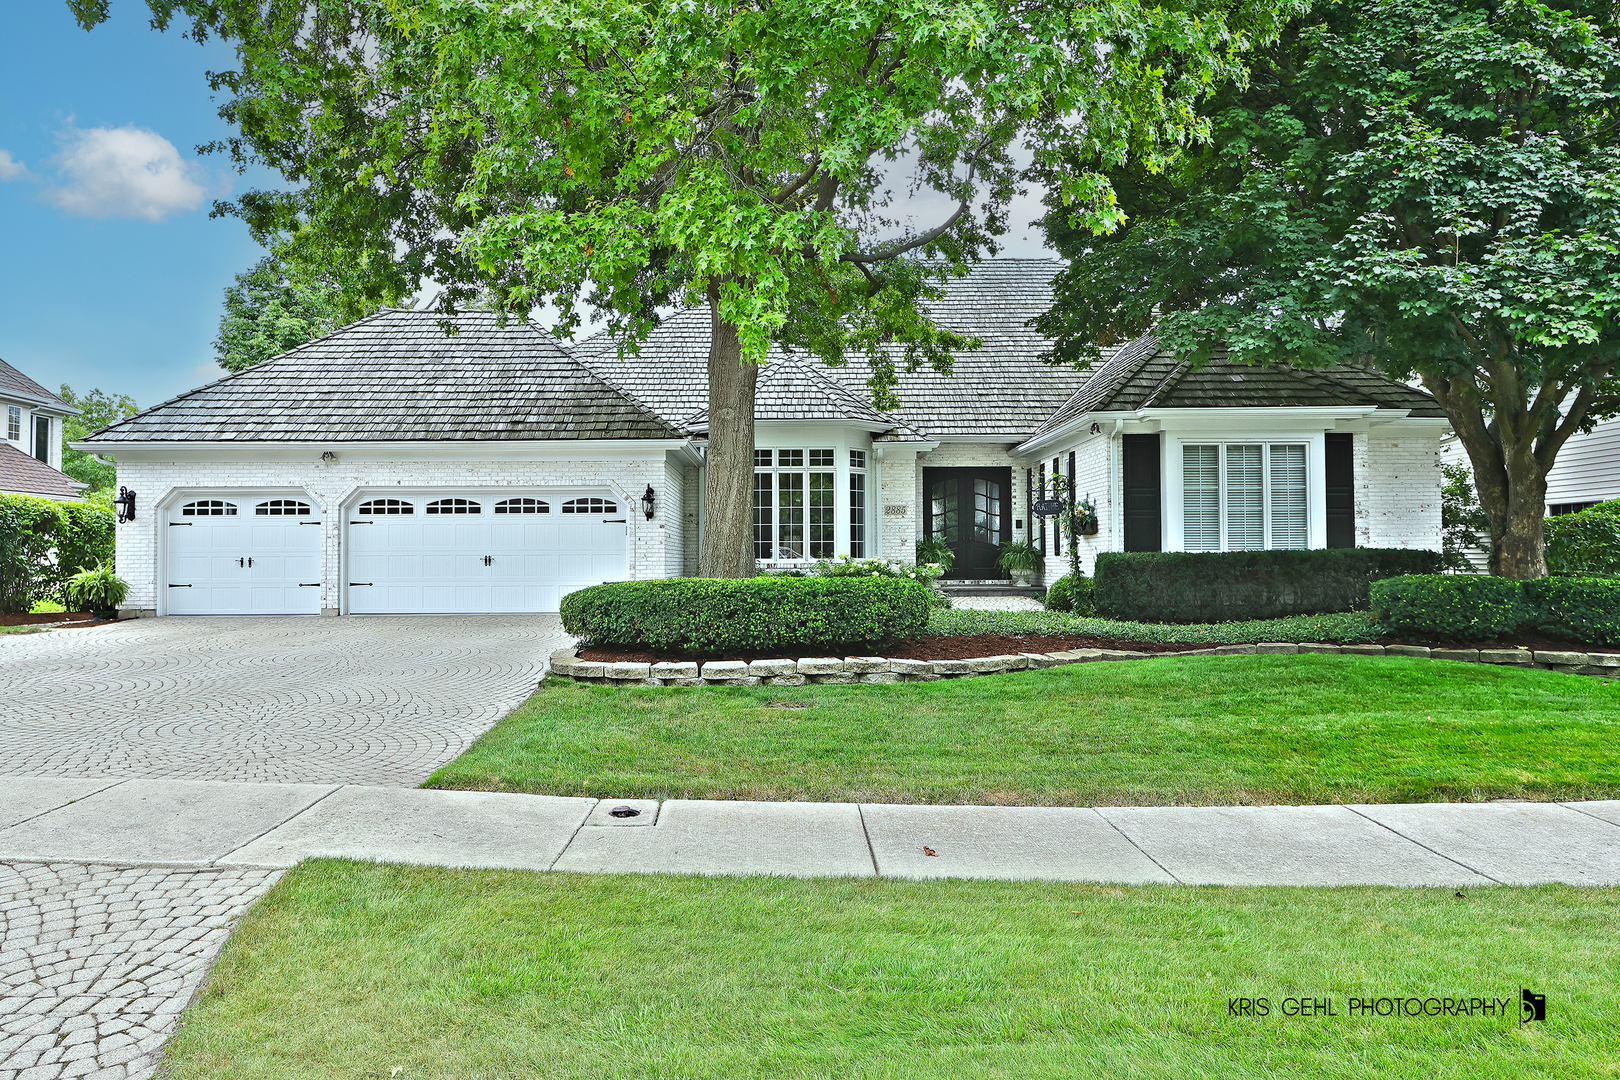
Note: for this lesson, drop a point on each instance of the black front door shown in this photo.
(971, 509)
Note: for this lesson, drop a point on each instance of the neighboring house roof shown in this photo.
(1000, 388)
(397, 376)
(15, 386)
(1142, 375)
(24, 474)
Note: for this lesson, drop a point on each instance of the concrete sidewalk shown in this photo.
(190, 823)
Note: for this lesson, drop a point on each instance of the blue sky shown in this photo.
(111, 271)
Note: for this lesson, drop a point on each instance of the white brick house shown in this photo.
(391, 468)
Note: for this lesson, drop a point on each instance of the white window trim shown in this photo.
(1315, 443)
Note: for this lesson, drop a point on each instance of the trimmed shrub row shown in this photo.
(708, 616)
(1587, 542)
(43, 543)
(1228, 586)
(1579, 608)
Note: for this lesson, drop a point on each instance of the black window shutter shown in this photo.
(1143, 522)
(1341, 491)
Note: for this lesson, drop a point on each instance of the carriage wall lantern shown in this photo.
(647, 502)
(126, 504)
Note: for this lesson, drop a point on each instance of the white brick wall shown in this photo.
(655, 551)
(1400, 489)
(1091, 477)
(691, 496)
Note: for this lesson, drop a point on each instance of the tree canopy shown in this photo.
(269, 310)
(1428, 186)
(625, 155)
(97, 410)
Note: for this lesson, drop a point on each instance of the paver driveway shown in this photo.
(357, 700)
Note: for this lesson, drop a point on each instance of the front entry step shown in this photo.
(988, 588)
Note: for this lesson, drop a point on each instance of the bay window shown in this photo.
(795, 504)
(1244, 496)
(857, 504)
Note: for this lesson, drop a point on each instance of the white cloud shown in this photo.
(11, 168)
(124, 172)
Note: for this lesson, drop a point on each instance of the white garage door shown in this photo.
(244, 557)
(479, 552)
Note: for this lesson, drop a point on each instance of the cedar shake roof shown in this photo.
(397, 376)
(1141, 375)
(1000, 388)
(15, 386)
(24, 474)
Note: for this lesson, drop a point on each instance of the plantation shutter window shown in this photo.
(1201, 494)
(1289, 525)
(1244, 497)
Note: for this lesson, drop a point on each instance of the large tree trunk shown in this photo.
(1509, 476)
(727, 548)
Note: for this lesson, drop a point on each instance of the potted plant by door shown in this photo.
(1021, 561)
(934, 551)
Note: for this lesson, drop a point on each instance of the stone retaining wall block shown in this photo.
(1316, 647)
(1505, 656)
(865, 665)
(1406, 650)
(836, 678)
(1234, 650)
(879, 677)
(772, 668)
(626, 671)
(1276, 648)
(1467, 656)
(787, 680)
(724, 669)
(672, 669)
(821, 665)
(1362, 650)
(1560, 658)
(911, 667)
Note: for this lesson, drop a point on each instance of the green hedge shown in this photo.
(43, 543)
(1450, 607)
(1585, 543)
(1222, 586)
(1580, 608)
(714, 615)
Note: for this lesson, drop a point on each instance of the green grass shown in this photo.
(24, 629)
(351, 970)
(1199, 730)
(1347, 628)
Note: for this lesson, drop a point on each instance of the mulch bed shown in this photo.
(46, 617)
(967, 646)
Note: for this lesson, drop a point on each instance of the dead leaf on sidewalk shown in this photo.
(929, 851)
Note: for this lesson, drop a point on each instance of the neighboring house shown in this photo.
(390, 468)
(31, 455)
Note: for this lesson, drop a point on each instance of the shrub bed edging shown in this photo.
(566, 664)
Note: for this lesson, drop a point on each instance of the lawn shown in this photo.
(357, 970)
(1188, 730)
